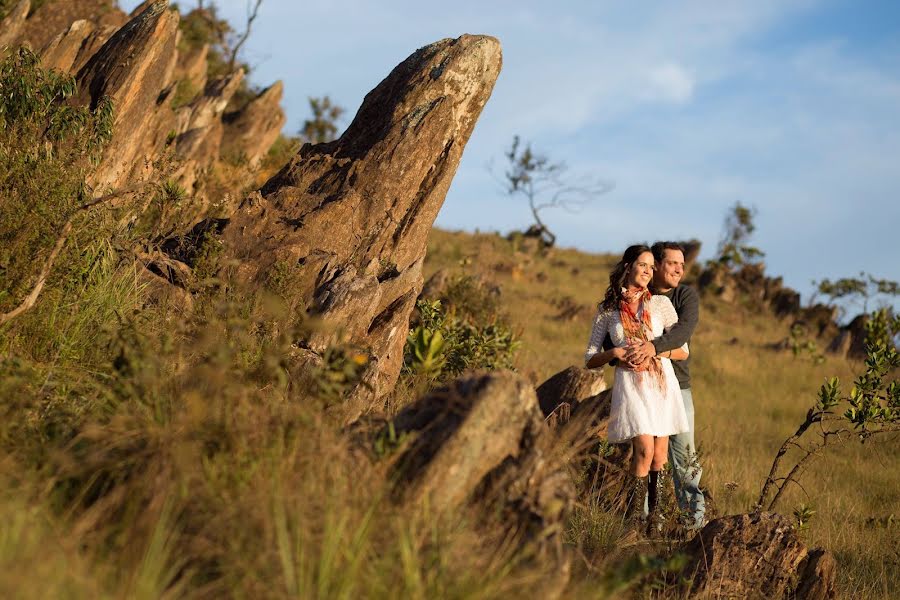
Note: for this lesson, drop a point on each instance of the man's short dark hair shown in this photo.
(659, 249)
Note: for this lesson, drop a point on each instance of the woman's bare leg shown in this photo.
(642, 455)
(660, 453)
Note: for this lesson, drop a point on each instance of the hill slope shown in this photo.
(748, 397)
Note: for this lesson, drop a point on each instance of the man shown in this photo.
(669, 257)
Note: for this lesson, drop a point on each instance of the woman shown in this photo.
(646, 404)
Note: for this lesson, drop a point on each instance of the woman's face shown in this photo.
(641, 271)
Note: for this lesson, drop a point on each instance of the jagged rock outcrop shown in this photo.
(134, 85)
(12, 24)
(251, 131)
(482, 439)
(349, 219)
(52, 17)
(756, 555)
(135, 61)
(62, 51)
(200, 129)
(191, 67)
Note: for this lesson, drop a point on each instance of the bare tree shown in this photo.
(251, 16)
(546, 184)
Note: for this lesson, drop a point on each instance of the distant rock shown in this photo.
(251, 131)
(350, 218)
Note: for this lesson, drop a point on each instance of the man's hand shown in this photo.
(638, 353)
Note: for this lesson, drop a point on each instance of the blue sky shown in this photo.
(792, 107)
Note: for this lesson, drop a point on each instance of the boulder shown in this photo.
(131, 68)
(756, 555)
(12, 24)
(251, 131)
(480, 441)
(350, 218)
(571, 386)
(850, 340)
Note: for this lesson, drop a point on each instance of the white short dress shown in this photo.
(639, 404)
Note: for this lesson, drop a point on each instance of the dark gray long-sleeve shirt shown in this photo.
(687, 304)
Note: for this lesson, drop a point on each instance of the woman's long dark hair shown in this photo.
(618, 274)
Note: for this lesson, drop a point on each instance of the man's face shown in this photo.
(670, 270)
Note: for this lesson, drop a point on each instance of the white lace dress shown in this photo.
(639, 404)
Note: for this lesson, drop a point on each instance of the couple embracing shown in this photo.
(643, 325)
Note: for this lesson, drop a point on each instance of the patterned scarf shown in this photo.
(640, 329)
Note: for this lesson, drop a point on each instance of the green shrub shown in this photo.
(444, 345)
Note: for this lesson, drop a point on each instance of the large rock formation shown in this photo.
(135, 61)
(349, 219)
(756, 556)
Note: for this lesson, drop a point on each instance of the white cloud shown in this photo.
(671, 82)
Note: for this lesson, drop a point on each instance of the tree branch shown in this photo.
(251, 16)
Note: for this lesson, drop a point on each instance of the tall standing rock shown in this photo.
(131, 68)
(351, 217)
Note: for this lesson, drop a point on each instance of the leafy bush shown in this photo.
(443, 345)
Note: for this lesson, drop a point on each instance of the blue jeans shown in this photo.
(686, 470)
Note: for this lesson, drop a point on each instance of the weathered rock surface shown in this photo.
(52, 17)
(200, 129)
(134, 84)
(191, 67)
(756, 556)
(62, 51)
(11, 26)
(563, 392)
(134, 60)
(251, 131)
(350, 218)
(482, 439)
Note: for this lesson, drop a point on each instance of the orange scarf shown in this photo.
(640, 329)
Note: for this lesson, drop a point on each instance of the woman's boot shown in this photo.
(634, 492)
(652, 500)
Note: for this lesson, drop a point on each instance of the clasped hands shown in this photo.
(636, 355)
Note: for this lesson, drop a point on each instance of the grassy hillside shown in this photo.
(748, 398)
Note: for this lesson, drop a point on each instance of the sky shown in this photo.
(788, 106)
